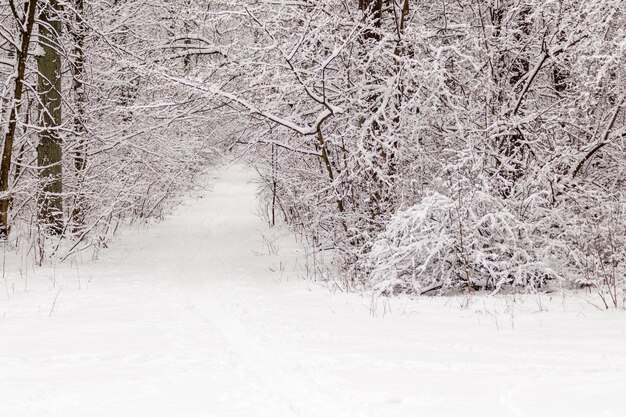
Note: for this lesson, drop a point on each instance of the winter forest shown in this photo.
(420, 151)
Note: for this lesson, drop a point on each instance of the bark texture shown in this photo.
(49, 151)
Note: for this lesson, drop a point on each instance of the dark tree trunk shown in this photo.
(49, 149)
(5, 165)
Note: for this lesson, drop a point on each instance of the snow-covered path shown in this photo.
(196, 317)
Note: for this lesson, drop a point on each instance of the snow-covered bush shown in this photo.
(599, 252)
(417, 251)
(441, 244)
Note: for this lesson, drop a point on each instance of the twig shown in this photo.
(55, 301)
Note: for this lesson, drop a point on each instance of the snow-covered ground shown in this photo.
(200, 316)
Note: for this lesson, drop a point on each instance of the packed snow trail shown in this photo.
(205, 314)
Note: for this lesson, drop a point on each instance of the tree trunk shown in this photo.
(49, 150)
(78, 87)
(5, 166)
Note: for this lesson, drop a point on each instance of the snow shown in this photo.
(199, 316)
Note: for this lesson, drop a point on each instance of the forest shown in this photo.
(429, 147)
